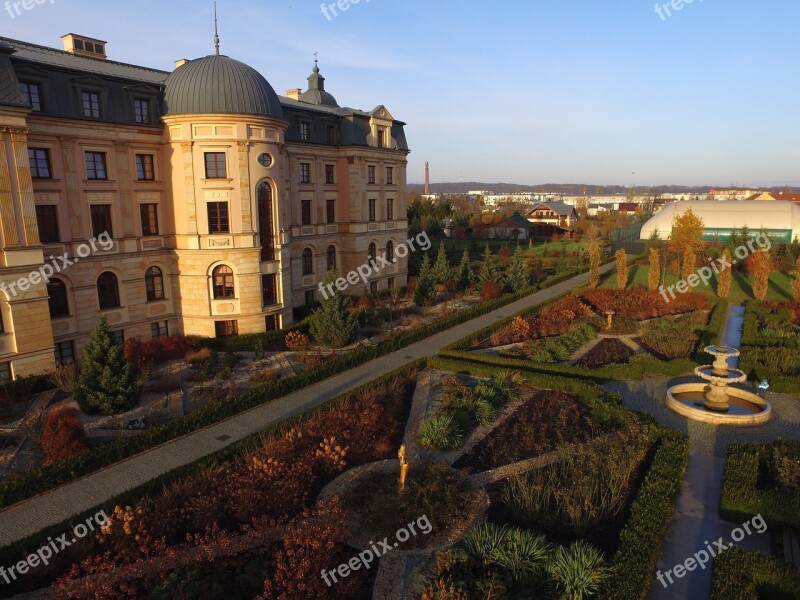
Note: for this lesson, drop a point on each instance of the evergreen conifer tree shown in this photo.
(332, 324)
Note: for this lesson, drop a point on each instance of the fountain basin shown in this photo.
(745, 409)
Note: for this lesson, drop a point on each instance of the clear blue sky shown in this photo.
(521, 91)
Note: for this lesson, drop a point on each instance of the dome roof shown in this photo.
(316, 93)
(218, 84)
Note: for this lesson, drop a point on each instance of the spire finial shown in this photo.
(216, 29)
(316, 62)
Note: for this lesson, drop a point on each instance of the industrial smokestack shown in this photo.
(427, 178)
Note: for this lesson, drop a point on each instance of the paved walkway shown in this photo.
(51, 508)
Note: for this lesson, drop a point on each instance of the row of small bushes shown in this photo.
(741, 574)
(770, 358)
(22, 387)
(640, 542)
(744, 494)
(43, 479)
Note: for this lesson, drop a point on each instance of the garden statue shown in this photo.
(401, 455)
(610, 315)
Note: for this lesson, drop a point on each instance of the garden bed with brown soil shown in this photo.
(540, 425)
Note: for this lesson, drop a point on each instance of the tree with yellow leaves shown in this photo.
(760, 265)
(594, 263)
(796, 282)
(687, 239)
(725, 276)
(622, 268)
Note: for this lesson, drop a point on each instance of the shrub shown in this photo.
(725, 276)
(670, 339)
(741, 574)
(594, 263)
(297, 342)
(106, 382)
(332, 323)
(621, 258)
(440, 432)
(145, 354)
(425, 288)
(578, 571)
(759, 265)
(490, 291)
(654, 272)
(63, 434)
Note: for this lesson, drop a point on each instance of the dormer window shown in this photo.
(380, 135)
(91, 105)
(305, 131)
(32, 92)
(83, 46)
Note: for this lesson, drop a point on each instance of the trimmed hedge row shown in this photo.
(11, 554)
(752, 338)
(43, 479)
(740, 574)
(742, 497)
(640, 542)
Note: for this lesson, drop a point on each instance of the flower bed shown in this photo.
(640, 304)
(609, 351)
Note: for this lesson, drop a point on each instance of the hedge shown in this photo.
(743, 497)
(12, 553)
(740, 574)
(640, 542)
(42, 479)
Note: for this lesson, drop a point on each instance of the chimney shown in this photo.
(80, 45)
(180, 62)
(427, 178)
(294, 94)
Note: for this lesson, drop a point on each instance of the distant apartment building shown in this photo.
(730, 194)
(227, 204)
(772, 196)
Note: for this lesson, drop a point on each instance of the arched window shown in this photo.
(308, 262)
(266, 226)
(108, 291)
(59, 306)
(390, 252)
(331, 258)
(371, 253)
(223, 282)
(154, 284)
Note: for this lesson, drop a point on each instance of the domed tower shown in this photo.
(224, 131)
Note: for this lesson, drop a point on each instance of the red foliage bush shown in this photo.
(490, 290)
(63, 435)
(559, 317)
(639, 303)
(157, 350)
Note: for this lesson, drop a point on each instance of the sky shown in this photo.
(518, 91)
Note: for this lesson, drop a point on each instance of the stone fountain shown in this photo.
(715, 401)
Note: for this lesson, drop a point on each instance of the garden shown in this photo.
(302, 497)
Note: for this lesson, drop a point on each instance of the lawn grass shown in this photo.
(780, 284)
(455, 248)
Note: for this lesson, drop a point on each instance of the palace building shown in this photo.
(224, 203)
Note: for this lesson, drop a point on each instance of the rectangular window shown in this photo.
(32, 92)
(310, 297)
(381, 137)
(372, 210)
(390, 283)
(373, 287)
(330, 174)
(269, 290)
(47, 220)
(215, 165)
(145, 170)
(149, 214)
(101, 220)
(305, 209)
(371, 174)
(96, 166)
(91, 105)
(141, 110)
(330, 209)
(39, 160)
(226, 328)
(271, 323)
(159, 329)
(64, 353)
(5, 372)
(218, 217)
(305, 172)
(390, 209)
(389, 175)
(118, 337)
(330, 134)
(304, 131)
